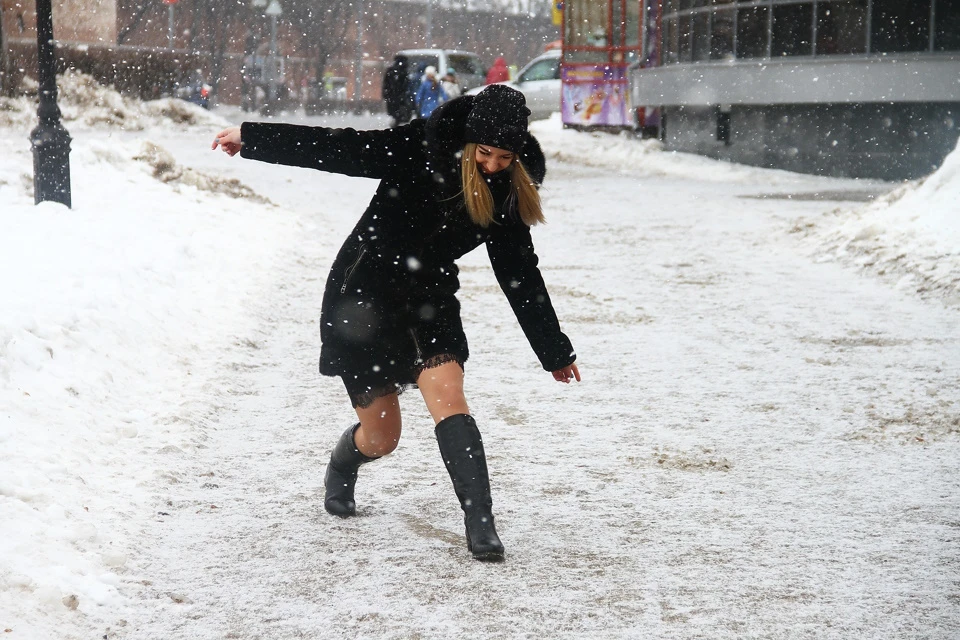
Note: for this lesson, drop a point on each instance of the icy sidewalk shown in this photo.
(762, 446)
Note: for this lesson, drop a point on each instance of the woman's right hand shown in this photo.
(228, 140)
(566, 374)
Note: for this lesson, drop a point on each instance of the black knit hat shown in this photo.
(498, 118)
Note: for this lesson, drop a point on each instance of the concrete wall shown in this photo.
(889, 141)
(86, 21)
(904, 77)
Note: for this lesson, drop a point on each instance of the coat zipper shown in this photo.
(349, 270)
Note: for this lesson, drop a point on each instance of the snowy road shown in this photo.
(762, 446)
(765, 443)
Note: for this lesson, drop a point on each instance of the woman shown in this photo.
(390, 318)
(431, 93)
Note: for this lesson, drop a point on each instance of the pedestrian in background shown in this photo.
(450, 85)
(499, 71)
(390, 318)
(431, 94)
(395, 92)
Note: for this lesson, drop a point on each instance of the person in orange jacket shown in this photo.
(498, 72)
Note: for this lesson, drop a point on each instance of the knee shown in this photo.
(443, 403)
(379, 438)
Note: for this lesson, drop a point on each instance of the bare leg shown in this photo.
(442, 389)
(380, 427)
(462, 450)
(375, 436)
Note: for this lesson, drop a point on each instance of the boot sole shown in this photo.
(489, 556)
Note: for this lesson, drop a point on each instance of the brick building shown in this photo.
(127, 42)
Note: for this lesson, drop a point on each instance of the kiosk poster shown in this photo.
(594, 95)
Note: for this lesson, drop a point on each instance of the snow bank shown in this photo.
(911, 234)
(105, 305)
(85, 102)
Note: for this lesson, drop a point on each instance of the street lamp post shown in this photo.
(3, 60)
(50, 141)
(358, 70)
(429, 20)
(274, 11)
(170, 21)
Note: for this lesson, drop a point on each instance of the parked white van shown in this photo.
(399, 91)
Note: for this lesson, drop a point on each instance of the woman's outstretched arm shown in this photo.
(368, 154)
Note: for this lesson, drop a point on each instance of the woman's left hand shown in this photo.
(567, 374)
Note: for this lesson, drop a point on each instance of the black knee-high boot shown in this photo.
(462, 451)
(341, 476)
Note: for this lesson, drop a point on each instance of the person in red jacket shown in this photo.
(498, 72)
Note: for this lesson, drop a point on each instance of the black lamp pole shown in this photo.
(51, 142)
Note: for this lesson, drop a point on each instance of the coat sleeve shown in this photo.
(365, 154)
(514, 263)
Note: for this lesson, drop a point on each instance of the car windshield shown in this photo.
(465, 65)
(417, 63)
(542, 70)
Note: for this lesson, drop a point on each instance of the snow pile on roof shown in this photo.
(84, 101)
(911, 234)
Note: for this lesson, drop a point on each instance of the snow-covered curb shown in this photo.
(911, 235)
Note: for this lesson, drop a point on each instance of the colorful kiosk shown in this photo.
(602, 39)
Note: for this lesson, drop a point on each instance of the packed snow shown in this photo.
(911, 235)
(765, 443)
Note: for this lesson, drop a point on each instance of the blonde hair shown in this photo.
(479, 200)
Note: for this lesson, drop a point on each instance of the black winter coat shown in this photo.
(389, 303)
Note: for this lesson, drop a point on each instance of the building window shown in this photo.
(947, 26)
(586, 24)
(842, 27)
(701, 36)
(792, 30)
(900, 26)
(683, 33)
(752, 32)
(617, 24)
(700, 30)
(633, 24)
(721, 35)
(672, 41)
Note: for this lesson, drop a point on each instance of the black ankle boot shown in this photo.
(462, 451)
(341, 476)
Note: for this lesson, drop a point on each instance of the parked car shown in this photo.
(403, 76)
(539, 81)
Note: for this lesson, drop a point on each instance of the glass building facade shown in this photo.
(857, 88)
(704, 30)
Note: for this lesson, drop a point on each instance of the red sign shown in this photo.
(170, 1)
